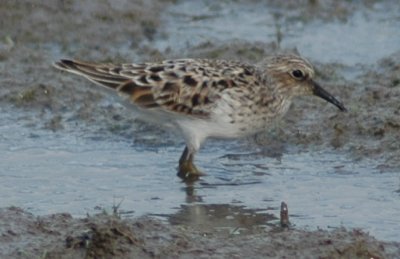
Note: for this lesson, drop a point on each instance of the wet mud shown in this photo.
(108, 236)
(35, 97)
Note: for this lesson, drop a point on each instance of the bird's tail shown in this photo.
(104, 75)
(108, 75)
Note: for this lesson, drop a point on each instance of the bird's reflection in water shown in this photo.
(227, 218)
(191, 196)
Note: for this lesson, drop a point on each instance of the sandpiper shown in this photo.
(202, 98)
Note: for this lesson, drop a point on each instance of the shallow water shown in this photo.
(367, 35)
(46, 173)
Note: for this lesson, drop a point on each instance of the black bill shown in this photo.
(319, 91)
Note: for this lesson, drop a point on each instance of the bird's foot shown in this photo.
(189, 172)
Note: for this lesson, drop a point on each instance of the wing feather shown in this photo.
(186, 86)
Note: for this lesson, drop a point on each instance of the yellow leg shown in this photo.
(187, 170)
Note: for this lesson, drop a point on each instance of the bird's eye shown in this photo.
(298, 74)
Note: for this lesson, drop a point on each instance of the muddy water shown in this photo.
(47, 172)
(348, 42)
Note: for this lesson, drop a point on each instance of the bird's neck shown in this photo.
(275, 95)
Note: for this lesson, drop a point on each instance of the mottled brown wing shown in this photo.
(118, 77)
(186, 86)
(193, 86)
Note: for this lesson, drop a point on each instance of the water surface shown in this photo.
(46, 172)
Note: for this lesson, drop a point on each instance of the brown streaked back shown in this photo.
(184, 86)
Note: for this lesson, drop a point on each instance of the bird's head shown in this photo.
(294, 76)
